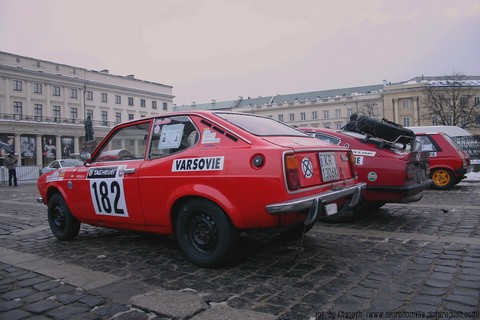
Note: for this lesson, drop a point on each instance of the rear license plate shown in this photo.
(328, 164)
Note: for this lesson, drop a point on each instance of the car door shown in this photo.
(108, 188)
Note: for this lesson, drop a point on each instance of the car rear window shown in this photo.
(452, 142)
(260, 126)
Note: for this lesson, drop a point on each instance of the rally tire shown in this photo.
(385, 130)
(205, 233)
(63, 224)
(443, 179)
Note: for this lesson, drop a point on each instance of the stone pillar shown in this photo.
(38, 141)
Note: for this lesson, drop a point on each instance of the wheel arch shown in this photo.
(209, 194)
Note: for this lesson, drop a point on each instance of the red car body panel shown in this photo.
(146, 193)
(391, 174)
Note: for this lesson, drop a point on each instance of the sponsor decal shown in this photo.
(198, 164)
(307, 168)
(57, 175)
(102, 173)
(163, 121)
(364, 153)
(372, 176)
(209, 137)
(433, 154)
(358, 160)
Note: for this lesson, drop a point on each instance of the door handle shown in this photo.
(129, 170)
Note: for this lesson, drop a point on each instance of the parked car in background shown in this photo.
(205, 177)
(62, 163)
(448, 162)
(392, 174)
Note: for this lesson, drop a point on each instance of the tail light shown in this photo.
(411, 172)
(351, 161)
(291, 172)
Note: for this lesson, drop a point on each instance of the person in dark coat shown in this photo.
(11, 164)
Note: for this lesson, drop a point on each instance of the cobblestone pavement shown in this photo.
(405, 261)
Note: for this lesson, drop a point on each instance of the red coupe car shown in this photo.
(205, 177)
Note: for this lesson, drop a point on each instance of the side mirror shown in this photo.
(85, 155)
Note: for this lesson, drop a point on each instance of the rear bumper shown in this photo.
(402, 189)
(464, 171)
(299, 204)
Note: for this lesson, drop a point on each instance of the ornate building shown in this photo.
(43, 106)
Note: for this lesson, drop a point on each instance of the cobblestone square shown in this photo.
(405, 261)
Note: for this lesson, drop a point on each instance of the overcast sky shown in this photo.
(222, 49)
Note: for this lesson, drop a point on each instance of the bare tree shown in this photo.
(369, 109)
(451, 100)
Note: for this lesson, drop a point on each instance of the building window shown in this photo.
(338, 126)
(104, 118)
(154, 104)
(476, 101)
(130, 101)
(130, 116)
(37, 88)
(338, 113)
(56, 91)
(56, 113)
(17, 110)
(89, 95)
(118, 117)
(73, 93)
(291, 117)
(435, 121)
(142, 103)
(104, 97)
(280, 117)
(90, 114)
(74, 114)
(314, 115)
(405, 104)
(17, 85)
(165, 106)
(303, 116)
(118, 99)
(349, 112)
(326, 114)
(37, 109)
(406, 122)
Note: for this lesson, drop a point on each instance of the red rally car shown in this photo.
(392, 174)
(448, 162)
(205, 177)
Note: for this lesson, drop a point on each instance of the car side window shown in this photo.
(127, 143)
(171, 135)
(425, 143)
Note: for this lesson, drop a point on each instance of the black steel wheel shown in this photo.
(205, 234)
(64, 226)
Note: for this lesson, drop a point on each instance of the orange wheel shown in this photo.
(443, 179)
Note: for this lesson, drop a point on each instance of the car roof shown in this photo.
(452, 131)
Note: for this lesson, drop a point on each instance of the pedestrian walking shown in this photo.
(11, 164)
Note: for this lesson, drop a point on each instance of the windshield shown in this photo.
(260, 126)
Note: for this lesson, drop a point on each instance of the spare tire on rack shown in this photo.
(384, 129)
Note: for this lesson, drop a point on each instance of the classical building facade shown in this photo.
(43, 106)
(398, 102)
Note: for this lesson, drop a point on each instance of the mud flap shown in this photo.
(310, 220)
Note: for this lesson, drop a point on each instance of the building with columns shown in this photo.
(400, 102)
(43, 106)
